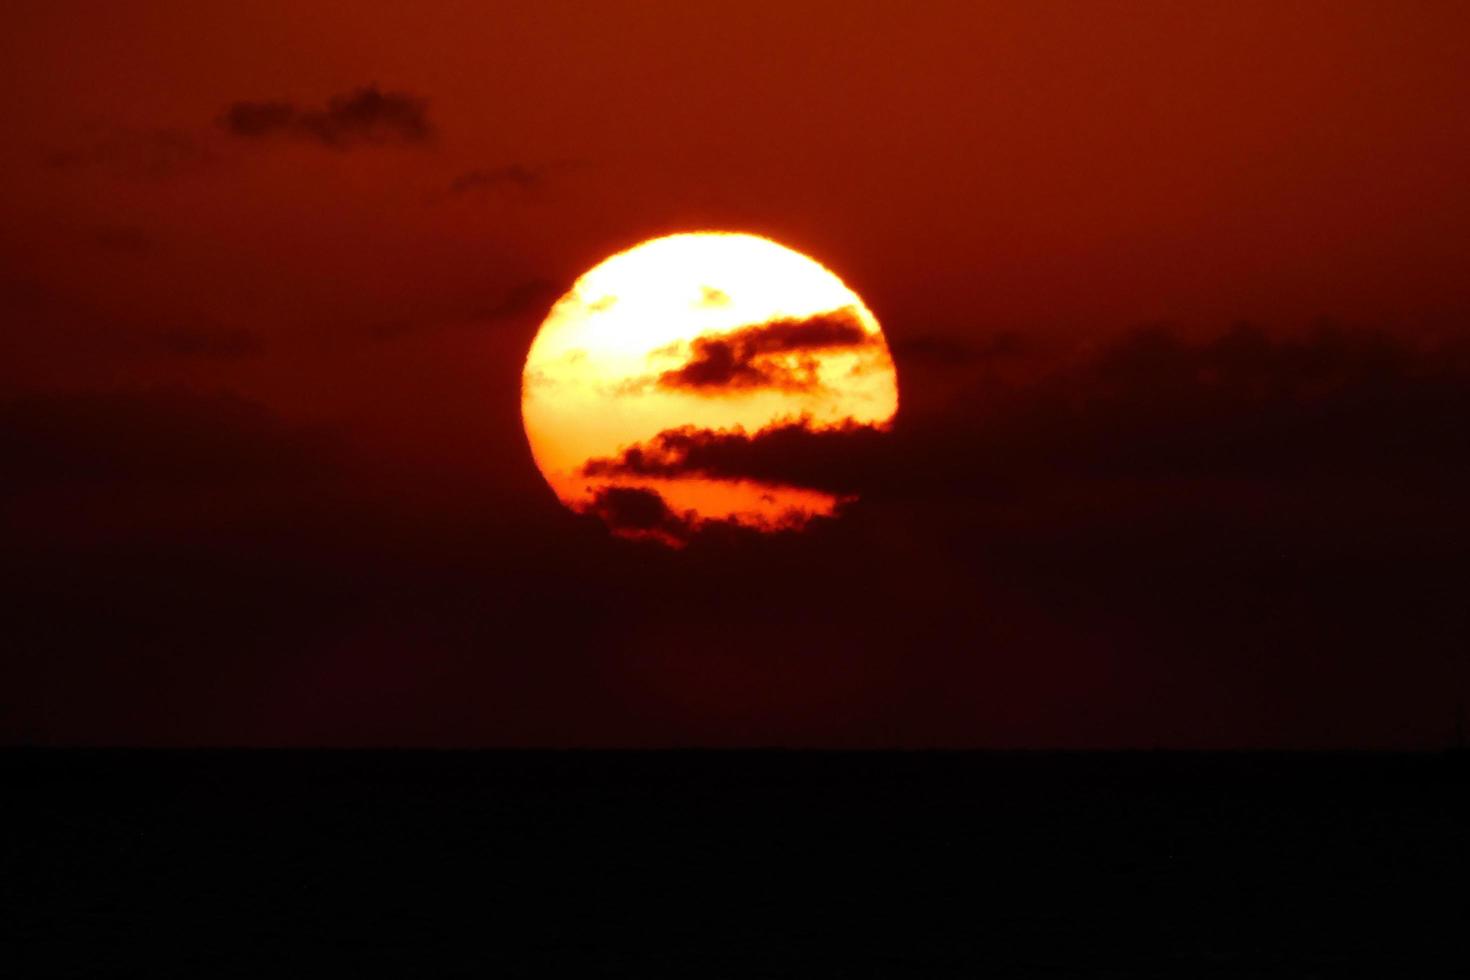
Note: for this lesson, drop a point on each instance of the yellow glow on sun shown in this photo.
(710, 331)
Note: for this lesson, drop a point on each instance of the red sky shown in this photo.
(180, 300)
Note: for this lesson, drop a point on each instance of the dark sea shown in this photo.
(732, 864)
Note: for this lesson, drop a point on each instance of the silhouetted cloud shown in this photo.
(60, 329)
(514, 175)
(365, 116)
(639, 512)
(531, 297)
(1336, 413)
(790, 453)
(522, 180)
(753, 357)
(147, 154)
(1245, 539)
(950, 351)
(1155, 403)
(167, 437)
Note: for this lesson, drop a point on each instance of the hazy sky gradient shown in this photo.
(268, 273)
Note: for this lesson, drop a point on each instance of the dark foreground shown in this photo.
(732, 864)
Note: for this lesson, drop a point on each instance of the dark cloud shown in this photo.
(258, 119)
(149, 154)
(532, 297)
(1345, 418)
(950, 351)
(61, 332)
(511, 175)
(756, 356)
(166, 437)
(524, 180)
(1334, 402)
(365, 116)
(631, 508)
(790, 453)
(639, 512)
(1251, 539)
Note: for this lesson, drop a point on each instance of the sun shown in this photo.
(678, 382)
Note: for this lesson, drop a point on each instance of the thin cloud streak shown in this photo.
(366, 116)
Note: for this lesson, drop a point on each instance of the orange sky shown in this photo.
(1038, 177)
(1051, 168)
(1007, 164)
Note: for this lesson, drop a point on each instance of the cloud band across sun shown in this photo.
(779, 354)
(683, 349)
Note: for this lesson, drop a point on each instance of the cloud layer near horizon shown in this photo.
(1255, 525)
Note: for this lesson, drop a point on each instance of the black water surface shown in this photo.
(732, 864)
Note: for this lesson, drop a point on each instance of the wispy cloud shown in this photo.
(366, 116)
(517, 178)
(759, 356)
(144, 154)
